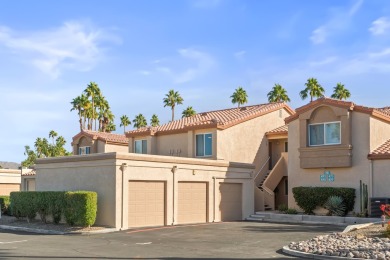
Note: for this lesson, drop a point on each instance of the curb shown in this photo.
(291, 252)
(300, 222)
(53, 232)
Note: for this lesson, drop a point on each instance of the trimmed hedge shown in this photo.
(4, 204)
(308, 198)
(78, 207)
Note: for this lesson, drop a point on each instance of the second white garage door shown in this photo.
(146, 203)
(231, 201)
(192, 202)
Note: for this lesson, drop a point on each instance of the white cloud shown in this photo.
(205, 4)
(144, 72)
(197, 62)
(340, 20)
(74, 45)
(239, 55)
(380, 26)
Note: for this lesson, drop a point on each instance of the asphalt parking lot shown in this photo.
(235, 240)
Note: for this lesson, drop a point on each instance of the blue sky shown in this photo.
(137, 50)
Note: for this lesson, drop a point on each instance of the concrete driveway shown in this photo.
(235, 240)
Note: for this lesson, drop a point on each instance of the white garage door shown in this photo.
(231, 201)
(192, 202)
(7, 188)
(146, 203)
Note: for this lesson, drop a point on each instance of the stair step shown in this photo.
(257, 216)
(254, 219)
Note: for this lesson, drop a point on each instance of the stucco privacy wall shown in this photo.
(104, 173)
(246, 142)
(10, 176)
(344, 177)
(380, 178)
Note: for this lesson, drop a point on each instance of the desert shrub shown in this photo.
(335, 206)
(24, 204)
(308, 198)
(291, 211)
(282, 208)
(387, 232)
(81, 207)
(4, 204)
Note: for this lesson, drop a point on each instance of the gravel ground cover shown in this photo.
(367, 243)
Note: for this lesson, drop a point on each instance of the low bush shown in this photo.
(335, 206)
(282, 208)
(81, 207)
(4, 204)
(308, 198)
(78, 207)
(291, 211)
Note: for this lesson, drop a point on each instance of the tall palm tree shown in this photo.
(189, 111)
(125, 121)
(278, 94)
(154, 121)
(172, 99)
(53, 134)
(340, 92)
(85, 104)
(313, 88)
(93, 91)
(76, 105)
(239, 96)
(139, 121)
(108, 118)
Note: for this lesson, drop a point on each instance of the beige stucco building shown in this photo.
(9, 181)
(343, 140)
(88, 142)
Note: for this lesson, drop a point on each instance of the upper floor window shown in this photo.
(140, 146)
(204, 145)
(84, 150)
(324, 134)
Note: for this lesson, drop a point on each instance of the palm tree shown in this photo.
(108, 118)
(154, 121)
(110, 127)
(139, 121)
(313, 88)
(278, 94)
(172, 99)
(53, 134)
(340, 92)
(239, 96)
(189, 111)
(94, 92)
(76, 105)
(85, 104)
(125, 121)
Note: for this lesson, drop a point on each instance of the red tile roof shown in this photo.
(106, 137)
(30, 173)
(281, 130)
(220, 119)
(380, 113)
(382, 152)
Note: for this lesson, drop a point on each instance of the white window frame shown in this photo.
(204, 145)
(81, 148)
(141, 140)
(325, 123)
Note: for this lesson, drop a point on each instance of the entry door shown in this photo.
(146, 203)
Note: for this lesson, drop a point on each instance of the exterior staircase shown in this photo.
(257, 217)
(263, 180)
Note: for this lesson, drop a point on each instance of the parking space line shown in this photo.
(11, 242)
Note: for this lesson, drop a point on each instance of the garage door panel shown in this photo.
(231, 201)
(192, 202)
(146, 204)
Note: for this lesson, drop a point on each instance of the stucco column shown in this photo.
(190, 141)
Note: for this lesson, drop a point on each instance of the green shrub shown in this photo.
(78, 207)
(282, 208)
(308, 198)
(81, 207)
(4, 204)
(335, 206)
(24, 204)
(291, 211)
